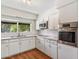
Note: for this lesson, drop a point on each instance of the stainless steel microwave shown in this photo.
(43, 25)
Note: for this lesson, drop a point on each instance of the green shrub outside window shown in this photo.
(8, 27)
(12, 27)
(23, 27)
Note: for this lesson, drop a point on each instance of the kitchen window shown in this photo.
(23, 27)
(8, 27)
(14, 27)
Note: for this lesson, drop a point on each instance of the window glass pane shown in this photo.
(23, 27)
(8, 27)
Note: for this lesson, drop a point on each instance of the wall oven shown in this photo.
(68, 33)
(67, 36)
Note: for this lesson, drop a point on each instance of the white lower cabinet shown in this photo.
(4, 49)
(40, 43)
(67, 52)
(24, 44)
(27, 44)
(13, 47)
(31, 44)
(37, 43)
(47, 47)
(53, 50)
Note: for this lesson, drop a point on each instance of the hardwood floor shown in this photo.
(32, 54)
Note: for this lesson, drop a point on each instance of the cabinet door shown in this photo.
(61, 3)
(27, 44)
(13, 47)
(68, 13)
(47, 47)
(37, 25)
(24, 44)
(31, 43)
(37, 43)
(53, 21)
(53, 50)
(67, 52)
(4, 50)
(41, 44)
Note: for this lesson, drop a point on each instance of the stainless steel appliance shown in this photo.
(67, 36)
(69, 27)
(68, 33)
(43, 25)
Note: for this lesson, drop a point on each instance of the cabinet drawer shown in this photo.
(29, 38)
(4, 41)
(54, 42)
(14, 40)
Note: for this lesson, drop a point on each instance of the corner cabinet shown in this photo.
(24, 44)
(40, 43)
(27, 44)
(47, 46)
(67, 52)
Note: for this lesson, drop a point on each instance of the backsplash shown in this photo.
(4, 35)
(49, 33)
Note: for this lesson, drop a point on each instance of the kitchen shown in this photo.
(39, 29)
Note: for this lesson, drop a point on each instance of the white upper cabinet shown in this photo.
(52, 17)
(53, 21)
(67, 52)
(61, 3)
(68, 13)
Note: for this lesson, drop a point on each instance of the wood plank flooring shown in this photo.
(32, 54)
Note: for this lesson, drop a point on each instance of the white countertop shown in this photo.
(14, 37)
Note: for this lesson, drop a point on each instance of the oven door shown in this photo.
(67, 36)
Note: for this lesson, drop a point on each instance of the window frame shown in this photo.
(7, 22)
(17, 23)
(24, 23)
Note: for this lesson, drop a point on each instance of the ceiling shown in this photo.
(37, 6)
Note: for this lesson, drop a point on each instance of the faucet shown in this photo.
(19, 34)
